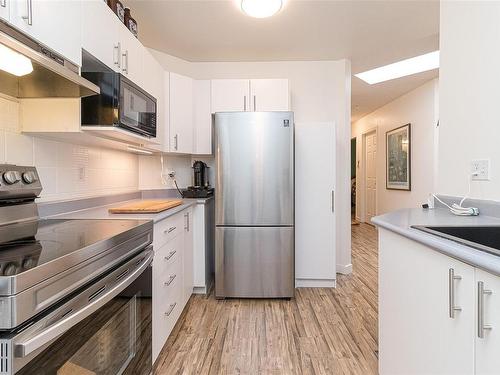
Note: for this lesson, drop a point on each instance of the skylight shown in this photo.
(403, 68)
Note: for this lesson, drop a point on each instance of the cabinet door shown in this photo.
(230, 95)
(188, 275)
(100, 33)
(181, 114)
(4, 9)
(202, 118)
(488, 323)
(153, 83)
(131, 55)
(55, 23)
(269, 95)
(418, 333)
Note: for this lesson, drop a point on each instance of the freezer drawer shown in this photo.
(255, 168)
(254, 262)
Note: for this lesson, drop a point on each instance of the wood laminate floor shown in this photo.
(321, 331)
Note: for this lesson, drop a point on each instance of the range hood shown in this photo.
(52, 75)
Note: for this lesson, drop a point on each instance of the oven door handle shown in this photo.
(33, 343)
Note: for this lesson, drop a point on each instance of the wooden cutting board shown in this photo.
(146, 207)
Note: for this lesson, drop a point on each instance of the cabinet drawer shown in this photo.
(168, 229)
(168, 254)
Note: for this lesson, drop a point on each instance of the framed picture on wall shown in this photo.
(398, 158)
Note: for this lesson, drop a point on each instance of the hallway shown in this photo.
(321, 331)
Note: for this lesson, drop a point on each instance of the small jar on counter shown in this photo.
(130, 22)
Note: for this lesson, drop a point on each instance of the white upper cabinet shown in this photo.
(202, 118)
(100, 33)
(57, 24)
(269, 95)
(131, 55)
(4, 9)
(153, 83)
(230, 95)
(488, 323)
(181, 114)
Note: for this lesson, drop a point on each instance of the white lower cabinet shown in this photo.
(488, 323)
(172, 274)
(437, 315)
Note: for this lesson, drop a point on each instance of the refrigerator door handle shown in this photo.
(333, 200)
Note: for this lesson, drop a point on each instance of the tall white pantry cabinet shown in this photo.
(437, 315)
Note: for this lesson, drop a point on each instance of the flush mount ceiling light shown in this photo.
(403, 68)
(261, 8)
(13, 62)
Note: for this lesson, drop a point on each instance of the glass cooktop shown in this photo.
(26, 245)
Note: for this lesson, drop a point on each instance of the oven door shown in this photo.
(137, 109)
(104, 329)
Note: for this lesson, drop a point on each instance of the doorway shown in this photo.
(370, 174)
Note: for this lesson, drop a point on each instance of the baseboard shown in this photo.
(344, 269)
(315, 283)
(200, 290)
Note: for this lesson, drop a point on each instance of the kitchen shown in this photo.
(163, 209)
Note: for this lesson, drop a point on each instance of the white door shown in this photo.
(99, 37)
(370, 176)
(55, 23)
(230, 95)
(487, 346)
(314, 211)
(188, 261)
(202, 117)
(181, 114)
(418, 335)
(269, 95)
(4, 9)
(131, 59)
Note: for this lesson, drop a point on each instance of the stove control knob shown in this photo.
(11, 177)
(10, 269)
(29, 177)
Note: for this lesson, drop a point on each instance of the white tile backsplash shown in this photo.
(66, 170)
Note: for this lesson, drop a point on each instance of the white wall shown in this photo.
(418, 107)
(320, 92)
(66, 170)
(469, 96)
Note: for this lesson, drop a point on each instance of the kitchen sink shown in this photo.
(484, 238)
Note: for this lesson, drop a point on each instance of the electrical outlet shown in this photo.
(480, 169)
(171, 174)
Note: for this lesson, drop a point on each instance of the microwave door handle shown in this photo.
(31, 344)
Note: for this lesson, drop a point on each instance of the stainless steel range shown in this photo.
(75, 295)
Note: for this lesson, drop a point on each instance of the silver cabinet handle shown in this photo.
(333, 200)
(170, 255)
(3, 3)
(169, 230)
(176, 142)
(481, 327)
(244, 103)
(125, 65)
(255, 103)
(117, 54)
(172, 307)
(451, 292)
(170, 280)
(187, 222)
(29, 7)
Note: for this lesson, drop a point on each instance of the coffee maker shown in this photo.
(201, 186)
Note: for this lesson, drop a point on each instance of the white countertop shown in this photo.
(401, 222)
(101, 212)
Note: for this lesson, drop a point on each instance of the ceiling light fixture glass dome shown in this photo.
(261, 8)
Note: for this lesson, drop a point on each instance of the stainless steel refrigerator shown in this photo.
(254, 234)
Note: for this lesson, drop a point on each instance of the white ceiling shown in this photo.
(369, 33)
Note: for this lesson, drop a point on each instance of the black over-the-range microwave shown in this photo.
(121, 103)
